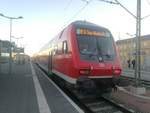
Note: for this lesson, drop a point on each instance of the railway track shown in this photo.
(99, 104)
(91, 103)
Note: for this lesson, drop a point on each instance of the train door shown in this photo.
(65, 58)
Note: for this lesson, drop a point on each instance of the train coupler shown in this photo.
(85, 84)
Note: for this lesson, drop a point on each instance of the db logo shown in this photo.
(102, 65)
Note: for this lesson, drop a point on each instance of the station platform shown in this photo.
(28, 90)
(138, 103)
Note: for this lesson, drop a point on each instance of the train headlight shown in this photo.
(84, 71)
(116, 70)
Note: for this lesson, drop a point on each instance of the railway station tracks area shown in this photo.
(120, 101)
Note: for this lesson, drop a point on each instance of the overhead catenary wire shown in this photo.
(68, 4)
(108, 1)
(79, 11)
(85, 1)
(66, 7)
(148, 2)
(118, 3)
(125, 8)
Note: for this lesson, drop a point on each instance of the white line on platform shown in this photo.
(72, 103)
(42, 103)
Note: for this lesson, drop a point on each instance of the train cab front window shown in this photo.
(87, 46)
(96, 48)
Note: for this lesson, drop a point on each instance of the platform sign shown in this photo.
(18, 50)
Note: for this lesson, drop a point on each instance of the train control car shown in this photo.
(83, 54)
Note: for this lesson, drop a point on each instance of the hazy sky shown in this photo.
(43, 19)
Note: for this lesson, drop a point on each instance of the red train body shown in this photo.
(82, 51)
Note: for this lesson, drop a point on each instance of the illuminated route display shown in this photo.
(88, 32)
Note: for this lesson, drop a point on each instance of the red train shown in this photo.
(83, 54)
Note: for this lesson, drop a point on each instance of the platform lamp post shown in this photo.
(138, 35)
(138, 44)
(10, 51)
(17, 38)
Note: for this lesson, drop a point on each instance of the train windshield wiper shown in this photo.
(107, 55)
(90, 54)
(100, 59)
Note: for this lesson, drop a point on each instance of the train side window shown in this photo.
(55, 49)
(59, 51)
(65, 47)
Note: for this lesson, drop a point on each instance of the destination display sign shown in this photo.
(88, 32)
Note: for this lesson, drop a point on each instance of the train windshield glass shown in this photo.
(96, 48)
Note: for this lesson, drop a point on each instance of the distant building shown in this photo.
(126, 50)
(5, 50)
(21, 58)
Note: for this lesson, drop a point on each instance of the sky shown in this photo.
(43, 19)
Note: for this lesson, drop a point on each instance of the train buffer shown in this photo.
(28, 90)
